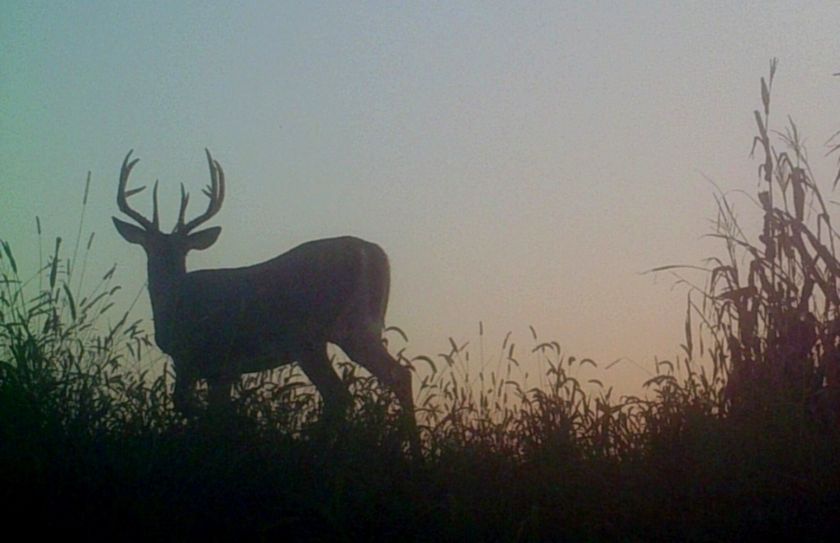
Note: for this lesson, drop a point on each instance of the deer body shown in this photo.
(220, 323)
(225, 322)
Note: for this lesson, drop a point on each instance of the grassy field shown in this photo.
(739, 440)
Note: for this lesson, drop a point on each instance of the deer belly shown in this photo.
(241, 349)
(265, 357)
(264, 361)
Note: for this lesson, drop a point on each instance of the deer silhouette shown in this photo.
(218, 324)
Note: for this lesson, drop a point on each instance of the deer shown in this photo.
(217, 324)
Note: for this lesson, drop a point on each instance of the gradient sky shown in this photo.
(521, 163)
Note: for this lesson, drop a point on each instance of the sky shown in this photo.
(522, 164)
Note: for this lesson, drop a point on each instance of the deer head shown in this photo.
(168, 252)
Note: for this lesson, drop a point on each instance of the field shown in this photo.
(737, 439)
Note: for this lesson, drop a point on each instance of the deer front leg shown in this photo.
(218, 393)
(182, 397)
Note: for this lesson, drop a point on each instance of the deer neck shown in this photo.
(165, 283)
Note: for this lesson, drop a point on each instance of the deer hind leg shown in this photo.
(368, 351)
(317, 366)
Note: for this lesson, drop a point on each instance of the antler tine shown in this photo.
(155, 218)
(185, 199)
(216, 193)
(123, 195)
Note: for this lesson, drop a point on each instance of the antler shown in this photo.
(216, 193)
(123, 195)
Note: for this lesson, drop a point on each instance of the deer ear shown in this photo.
(204, 238)
(129, 232)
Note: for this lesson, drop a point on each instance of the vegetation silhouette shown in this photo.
(735, 439)
(770, 310)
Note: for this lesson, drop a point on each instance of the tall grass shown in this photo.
(769, 313)
(742, 447)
